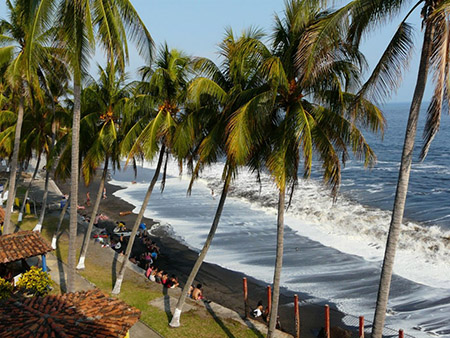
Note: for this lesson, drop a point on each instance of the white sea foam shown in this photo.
(423, 251)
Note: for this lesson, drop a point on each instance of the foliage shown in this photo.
(35, 281)
(5, 288)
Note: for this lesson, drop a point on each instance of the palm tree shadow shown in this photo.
(114, 268)
(167, 304)
(62, 276)
(218, 320)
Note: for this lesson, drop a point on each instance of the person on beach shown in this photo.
(258, 311)
(197, 293)
(148, 271)
(172, 282)
(153, 274)
(164, 278)
(158, 276)
(104, 193)
(88, 199)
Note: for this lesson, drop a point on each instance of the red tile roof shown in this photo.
(82, 314)
(23, 244)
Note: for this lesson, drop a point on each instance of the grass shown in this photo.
(138, 292)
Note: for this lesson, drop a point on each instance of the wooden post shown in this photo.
(361, 326)
(269, 300)
(244, 280)
(297, 317)
(327, 321)
(401, 334)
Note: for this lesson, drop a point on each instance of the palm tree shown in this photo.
(313, 111)
(166, 87)
(22, 39)
(77, 22)
(106, 101)
(220, 94)
(434, 56)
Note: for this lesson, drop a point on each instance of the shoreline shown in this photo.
(220, 285)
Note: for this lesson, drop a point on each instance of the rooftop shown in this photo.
(81, 314)
(23, 244)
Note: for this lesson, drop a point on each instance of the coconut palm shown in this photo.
(54, 78)
(435, 57)
(219, 94)
(165, 85)
(79, 20)
(22, 48)
(106, 101)
(312, 111)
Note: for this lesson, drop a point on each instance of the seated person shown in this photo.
(164, 278)
(153, 274)
(158, 276)
(172, 282)
(197, 293)
(148, 270)
(258, 311)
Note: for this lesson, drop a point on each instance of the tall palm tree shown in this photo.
(434, 56)
(22, 41)
(313, 111)
(106, 101)
(165, 85)
(79, 20)
(219, 94)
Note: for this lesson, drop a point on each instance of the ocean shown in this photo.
(333, 251)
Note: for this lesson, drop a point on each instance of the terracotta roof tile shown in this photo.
(80, 314)
(23, 244)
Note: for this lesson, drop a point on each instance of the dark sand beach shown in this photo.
(220, 285)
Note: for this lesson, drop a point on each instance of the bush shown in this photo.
(35, 282)
(5, 288)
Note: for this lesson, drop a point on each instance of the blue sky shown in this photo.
(197, 26)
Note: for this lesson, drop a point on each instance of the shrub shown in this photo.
(5, 288)
(35, 281)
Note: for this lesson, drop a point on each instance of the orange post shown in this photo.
(327, 321)
(269, 299)
(401, 334)
(297, 317)
(244, 280)
(361, 326)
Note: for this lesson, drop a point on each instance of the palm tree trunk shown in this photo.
(402, 187)
(61, 218)
(278, 265)
(8, 228)
(22, 208)
(119, 279)
(175, 322)
(48, 171)
(74, 184)
(87, 237)
(44, 200)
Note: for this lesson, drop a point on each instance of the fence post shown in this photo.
(244, 280)
(361, 326)
(400, 334)
(269, 300)
(327, 321)
(297, 317)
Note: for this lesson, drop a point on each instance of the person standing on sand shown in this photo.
(88, 199)
(104, 193)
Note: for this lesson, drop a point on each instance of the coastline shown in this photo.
(220, 285)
